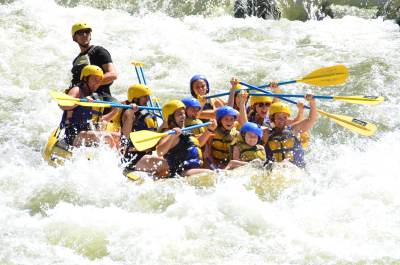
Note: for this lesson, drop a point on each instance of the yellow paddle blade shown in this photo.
(143, 140)
(367, 100)
(65, 103)
(63, 99)
(58, 95)
(138, 64)
(328, 76)
(356, 125)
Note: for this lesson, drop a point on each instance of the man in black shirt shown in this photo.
(94, 55)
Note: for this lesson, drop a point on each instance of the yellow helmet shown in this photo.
(92, 70)
(260, 98)
(171, 107)
(278, 107)
(137, 91)
(80, 25)
(239, 86)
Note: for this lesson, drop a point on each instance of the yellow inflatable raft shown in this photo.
(264, 181)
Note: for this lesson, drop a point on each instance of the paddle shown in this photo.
(140, 65)
(328, 76)
(143, 140)
(65, 100)
(367, 100)
(359, 126)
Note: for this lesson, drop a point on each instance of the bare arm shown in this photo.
(236, 153)
(110, 75)
(242, 119)
(234, 81)
(168, 142)
(218, 103)
(108, 117)
(207, 114)
(75, 93)
(277, 90)
(128, 118)
(300, 106)
(203, 138)
(306, 124)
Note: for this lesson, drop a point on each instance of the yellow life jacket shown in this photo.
(221, 144)
(248, 152)
(237, 126)
(115, 125)
(304, 139)
(190, 122)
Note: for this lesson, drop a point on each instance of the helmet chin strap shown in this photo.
(87, 84)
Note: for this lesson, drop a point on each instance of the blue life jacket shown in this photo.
(285, 146)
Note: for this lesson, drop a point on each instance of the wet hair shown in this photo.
(235, 106)
(272, 119)
(252, 110)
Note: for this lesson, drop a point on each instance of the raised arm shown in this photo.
(306, 124)
(277, 90)
(234, 81)
(242, 119)
(300, 106)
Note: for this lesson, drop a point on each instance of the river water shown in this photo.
(347, 211)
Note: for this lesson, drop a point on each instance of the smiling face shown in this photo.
(262, 108)
(280, 119)
(83, 39)
(94, 82)
(251, 138)
(199, 87)
(179, 116)
(227, 122)
(143, 100)
(192, 112)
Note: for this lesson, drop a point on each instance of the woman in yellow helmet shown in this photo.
(283, 143)
(77, 119)
(133, 120)
(182, 149)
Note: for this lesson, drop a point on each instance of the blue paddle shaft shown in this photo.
(266, 92)
(118, 105)
(211, 165)
(290, 95)
(279, 84)
(237, 91)
(191, 127)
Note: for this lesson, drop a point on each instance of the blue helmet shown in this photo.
(252, 127)
(224, 111)
(194, 78)
(191, 102)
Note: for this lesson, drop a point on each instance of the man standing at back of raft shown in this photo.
(94, 55)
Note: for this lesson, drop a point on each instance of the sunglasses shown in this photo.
(264, 104)
(81, 32)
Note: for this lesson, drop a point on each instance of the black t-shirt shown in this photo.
(99, 56)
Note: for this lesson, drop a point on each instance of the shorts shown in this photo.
(132, 158)
(70, 134)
